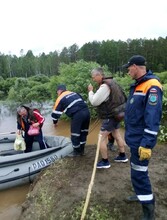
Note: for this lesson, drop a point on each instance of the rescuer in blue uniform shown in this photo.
(142, 120)
(73, 105)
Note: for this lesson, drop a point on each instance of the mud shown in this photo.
(63, 186)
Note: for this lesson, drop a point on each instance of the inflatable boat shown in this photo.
(18, 168)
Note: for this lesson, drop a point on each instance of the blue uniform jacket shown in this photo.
(143, 112)
(68, 103)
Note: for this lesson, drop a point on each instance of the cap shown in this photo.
(137, 60)
(61, 87)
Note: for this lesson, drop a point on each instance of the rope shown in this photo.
(15, 170)
(92, 180)
(13, 132)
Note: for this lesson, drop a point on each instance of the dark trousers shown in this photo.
(140, 178)
(30, 139)
(79, 127)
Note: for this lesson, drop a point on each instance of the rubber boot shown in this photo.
(148, 212)
(82, 149)
(76, 152)
(133, 198)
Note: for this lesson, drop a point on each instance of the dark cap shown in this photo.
(137, 60)
(61, 87)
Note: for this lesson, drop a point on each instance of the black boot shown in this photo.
(148, 212)
(76, 152)
(82, 149)
(132, 199)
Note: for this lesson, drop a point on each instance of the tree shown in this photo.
(72, 51)
(29, 64)
(77, 77)
(90, 51)
(39, 93)
(64, 56)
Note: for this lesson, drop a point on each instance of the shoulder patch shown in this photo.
(153, 98)
(153, 90)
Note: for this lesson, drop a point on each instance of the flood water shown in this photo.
(11, 199)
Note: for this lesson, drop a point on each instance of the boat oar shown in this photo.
(13, 132)
(92, 180)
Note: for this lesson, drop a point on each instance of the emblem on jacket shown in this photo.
(132, 100)
(153, 98)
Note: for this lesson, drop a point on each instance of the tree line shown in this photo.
(77, 76)
(111, 53)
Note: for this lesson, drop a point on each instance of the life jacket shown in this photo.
(116, 102)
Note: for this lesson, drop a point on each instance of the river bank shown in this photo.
(60, 191)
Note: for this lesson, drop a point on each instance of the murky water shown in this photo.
(11, 199)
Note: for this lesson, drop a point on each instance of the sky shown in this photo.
(49, 25)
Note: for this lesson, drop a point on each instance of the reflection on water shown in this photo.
(11, 199)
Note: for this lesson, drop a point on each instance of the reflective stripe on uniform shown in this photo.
(139, 168)
(58, 112)
(75, 134)
(139, 93)
(145, 197)
(76, 146)
(72, 103)
(85, 130)
(151, 132)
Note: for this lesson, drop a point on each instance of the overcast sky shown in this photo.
(49, 25)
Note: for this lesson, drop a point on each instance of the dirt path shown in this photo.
(63, 186)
